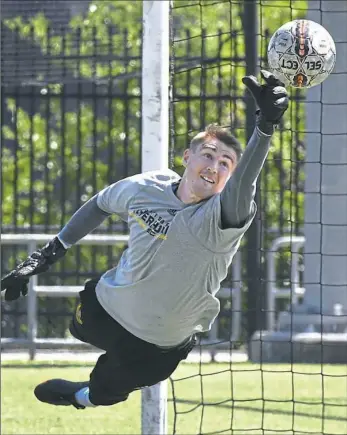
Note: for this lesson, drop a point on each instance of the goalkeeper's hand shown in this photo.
(15, 283)
(271, 98)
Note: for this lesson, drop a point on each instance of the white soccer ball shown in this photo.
(301, 54)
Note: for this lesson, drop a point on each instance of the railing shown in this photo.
(35, 290)
(31, 241)
(236, 309)
(274, 292)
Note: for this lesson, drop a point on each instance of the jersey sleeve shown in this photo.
(117, 197)
(238, 194)
(206, 225)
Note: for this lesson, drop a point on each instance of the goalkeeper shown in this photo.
(145, 313)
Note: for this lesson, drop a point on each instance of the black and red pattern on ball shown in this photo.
(301, 40)
(300, 80)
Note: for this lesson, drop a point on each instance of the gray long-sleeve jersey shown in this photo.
(164, 287)
(236, 198)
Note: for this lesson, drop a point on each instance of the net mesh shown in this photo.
(71, 124)
(235, 396)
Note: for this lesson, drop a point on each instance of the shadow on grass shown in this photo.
(48, 365)
(262, 410)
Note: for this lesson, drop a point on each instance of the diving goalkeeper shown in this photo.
(183, 233)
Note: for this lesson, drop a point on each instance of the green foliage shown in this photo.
(62, 154)
(209, 398)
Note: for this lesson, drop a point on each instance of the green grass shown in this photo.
(300, 398)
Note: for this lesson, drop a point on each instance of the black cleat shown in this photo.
(59, 392)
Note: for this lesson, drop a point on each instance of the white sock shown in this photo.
(82, 397)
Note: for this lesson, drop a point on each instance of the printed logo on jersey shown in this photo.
(172, 211)
(150, 221)
(78, 314)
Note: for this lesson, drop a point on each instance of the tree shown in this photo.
(85, 130)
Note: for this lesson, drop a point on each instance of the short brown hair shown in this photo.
(220, 133)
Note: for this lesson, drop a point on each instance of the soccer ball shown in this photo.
(301, 54)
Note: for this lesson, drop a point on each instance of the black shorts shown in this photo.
(128, 363)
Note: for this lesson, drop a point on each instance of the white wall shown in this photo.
(326, 172)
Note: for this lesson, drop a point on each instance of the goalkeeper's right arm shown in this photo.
(112, 199)
(84, 221)
(88, 217)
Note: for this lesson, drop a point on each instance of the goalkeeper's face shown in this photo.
(208, 168)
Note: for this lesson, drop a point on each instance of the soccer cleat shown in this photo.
(59, 392)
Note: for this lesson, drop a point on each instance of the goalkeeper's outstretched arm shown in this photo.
(113, 199)
(238, 194)
(83, 222)
(88, 217)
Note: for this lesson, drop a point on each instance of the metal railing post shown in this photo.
(31, 241)
(237, 297)
(32, 308)
(273, 292)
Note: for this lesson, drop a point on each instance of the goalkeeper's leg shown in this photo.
(90, 320)
(133, 365)
(128, 364)
(139, 364)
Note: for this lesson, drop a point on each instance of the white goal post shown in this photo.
(155, 150)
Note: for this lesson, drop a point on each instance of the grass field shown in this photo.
(267, 399)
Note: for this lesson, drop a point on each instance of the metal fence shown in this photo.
(215, 339)
(71, 124)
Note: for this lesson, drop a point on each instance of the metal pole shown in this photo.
(155, 154)
(250, 26)
(155, 85)
(32, 309)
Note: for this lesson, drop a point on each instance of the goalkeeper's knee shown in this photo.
(106, 400)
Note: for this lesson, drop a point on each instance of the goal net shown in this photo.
(273, 381)
(275, 359)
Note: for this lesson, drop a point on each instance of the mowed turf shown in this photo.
(266, 399)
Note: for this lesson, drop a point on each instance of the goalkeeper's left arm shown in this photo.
(85, 220)
(238, 194)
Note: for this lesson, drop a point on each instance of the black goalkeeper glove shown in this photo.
(15, 283)
(271, 98)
